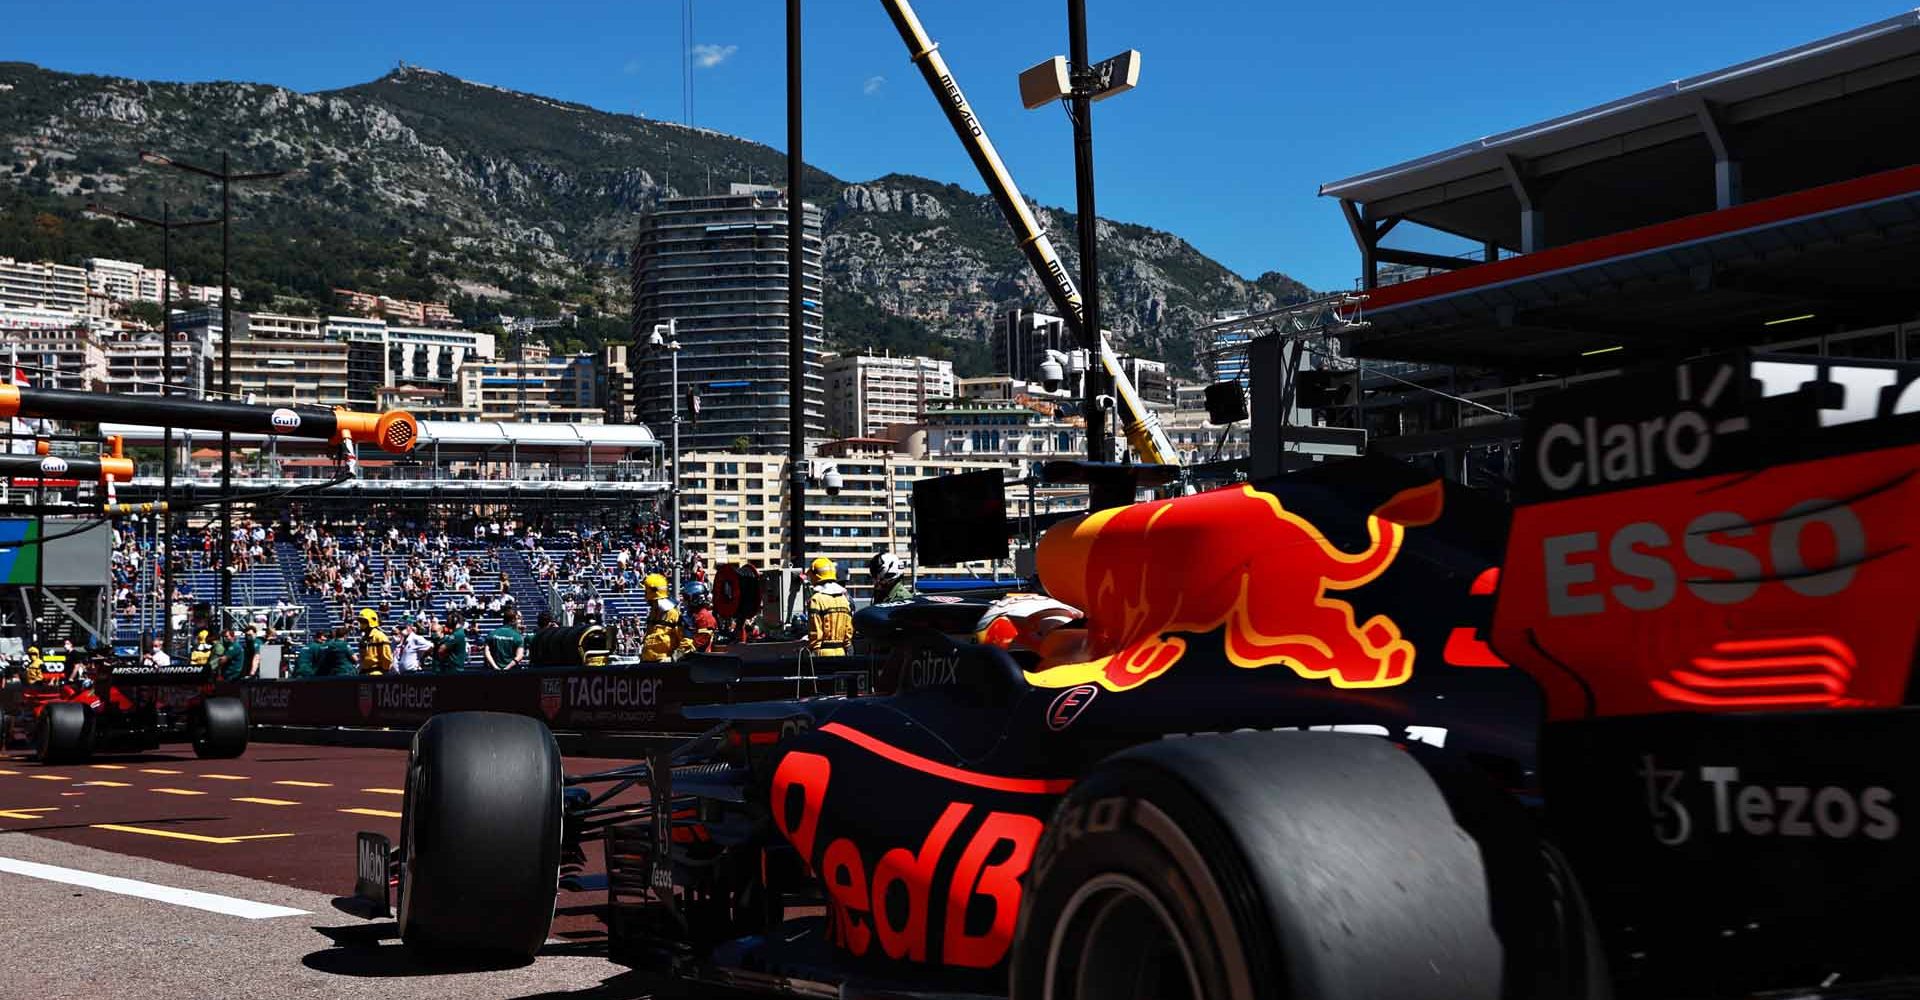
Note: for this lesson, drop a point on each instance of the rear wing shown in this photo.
(1732, 533)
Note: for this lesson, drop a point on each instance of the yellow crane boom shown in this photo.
(1142, 425)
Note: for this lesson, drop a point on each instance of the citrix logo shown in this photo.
(1757, 810)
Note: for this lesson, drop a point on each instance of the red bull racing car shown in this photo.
(1354, 732)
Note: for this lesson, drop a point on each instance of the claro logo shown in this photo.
(1734, 808)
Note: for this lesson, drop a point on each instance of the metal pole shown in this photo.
(39, 554)
(1099, 443)
(166, 389)
(796, 318)
(226, 385)
(679, 557)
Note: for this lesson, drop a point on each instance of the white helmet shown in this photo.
(1023, 620)
(886, 566)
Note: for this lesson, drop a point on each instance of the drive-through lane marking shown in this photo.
(198, 838)
(195, 899)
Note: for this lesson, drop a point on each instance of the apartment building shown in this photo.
(717, 266)
(557, 391)
(733, 509)
(41, 285)
(136, 363)
(124, 281)
(866, 393)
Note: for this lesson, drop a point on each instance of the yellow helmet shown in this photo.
(33, 650)
(824, 569)
(655, 583)
(371, 617)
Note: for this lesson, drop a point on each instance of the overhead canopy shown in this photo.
(1832, 109)
(481, 434)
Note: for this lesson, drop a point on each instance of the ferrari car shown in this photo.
(127, 708)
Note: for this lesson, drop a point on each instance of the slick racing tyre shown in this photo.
(64, 733)
(1256, 866)
(480, 837)
(219, 728)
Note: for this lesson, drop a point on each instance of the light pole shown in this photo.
(166, 225)
(226, 177)
(667, 335)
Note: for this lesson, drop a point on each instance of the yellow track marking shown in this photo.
(27, 813)
(9, 772)
(108, 767)
(268, 802)
(157, 770)
(306, 784)
(388, 813)
(385, 791)
(197, 838)
(175, 791)
(225, 777)
(108, 784)
(51, 777)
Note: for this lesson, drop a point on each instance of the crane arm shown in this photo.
(1142, 425)
(393, 431)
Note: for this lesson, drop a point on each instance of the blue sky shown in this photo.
(1242, 111)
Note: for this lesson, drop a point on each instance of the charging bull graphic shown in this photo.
(1232, 559)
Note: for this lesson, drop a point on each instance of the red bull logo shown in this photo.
(1233, 560)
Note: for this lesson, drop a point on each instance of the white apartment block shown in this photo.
(734, 510)
(135, 362)
(424, 356)
(273, 326)
(45, 286)
(70, 357)
(124, 281)
(284, 372)
(866, 393)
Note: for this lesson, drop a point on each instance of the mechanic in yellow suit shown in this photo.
(376, 649)
(664, 638)
(829, 613)
(36, 670)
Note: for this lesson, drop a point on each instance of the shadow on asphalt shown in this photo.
(161, 821)
(629, 985)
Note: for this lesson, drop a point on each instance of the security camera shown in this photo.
(1053, 370)
(831, 481)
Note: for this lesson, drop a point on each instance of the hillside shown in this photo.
(420, 184)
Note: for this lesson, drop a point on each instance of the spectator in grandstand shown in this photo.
(506, 646)
(157, 656)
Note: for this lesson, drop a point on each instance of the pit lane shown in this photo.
(274, 827)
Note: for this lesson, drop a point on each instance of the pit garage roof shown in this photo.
(457, 434)
(1827, 110)
(1840, 256)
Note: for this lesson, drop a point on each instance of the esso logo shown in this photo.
(53, 464)
(285, 419)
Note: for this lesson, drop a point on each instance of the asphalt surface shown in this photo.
(264, 833)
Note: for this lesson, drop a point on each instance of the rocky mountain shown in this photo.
(422, 184)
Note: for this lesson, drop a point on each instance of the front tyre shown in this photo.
(480, 837)
(1256, 866)
(219, 729)
(64, 733)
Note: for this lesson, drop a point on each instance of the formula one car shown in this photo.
(1256, 743)
(127, 708)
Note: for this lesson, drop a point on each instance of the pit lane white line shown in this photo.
(149, 890)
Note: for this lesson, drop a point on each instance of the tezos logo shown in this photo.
(285, 419)
(1755, 810)
(1068, 705)
(53, 464)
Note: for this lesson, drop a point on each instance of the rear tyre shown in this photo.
(220, 729)
(1256, 866)
(64, 733)
(480, 837)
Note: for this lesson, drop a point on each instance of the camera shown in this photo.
(830, 480)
